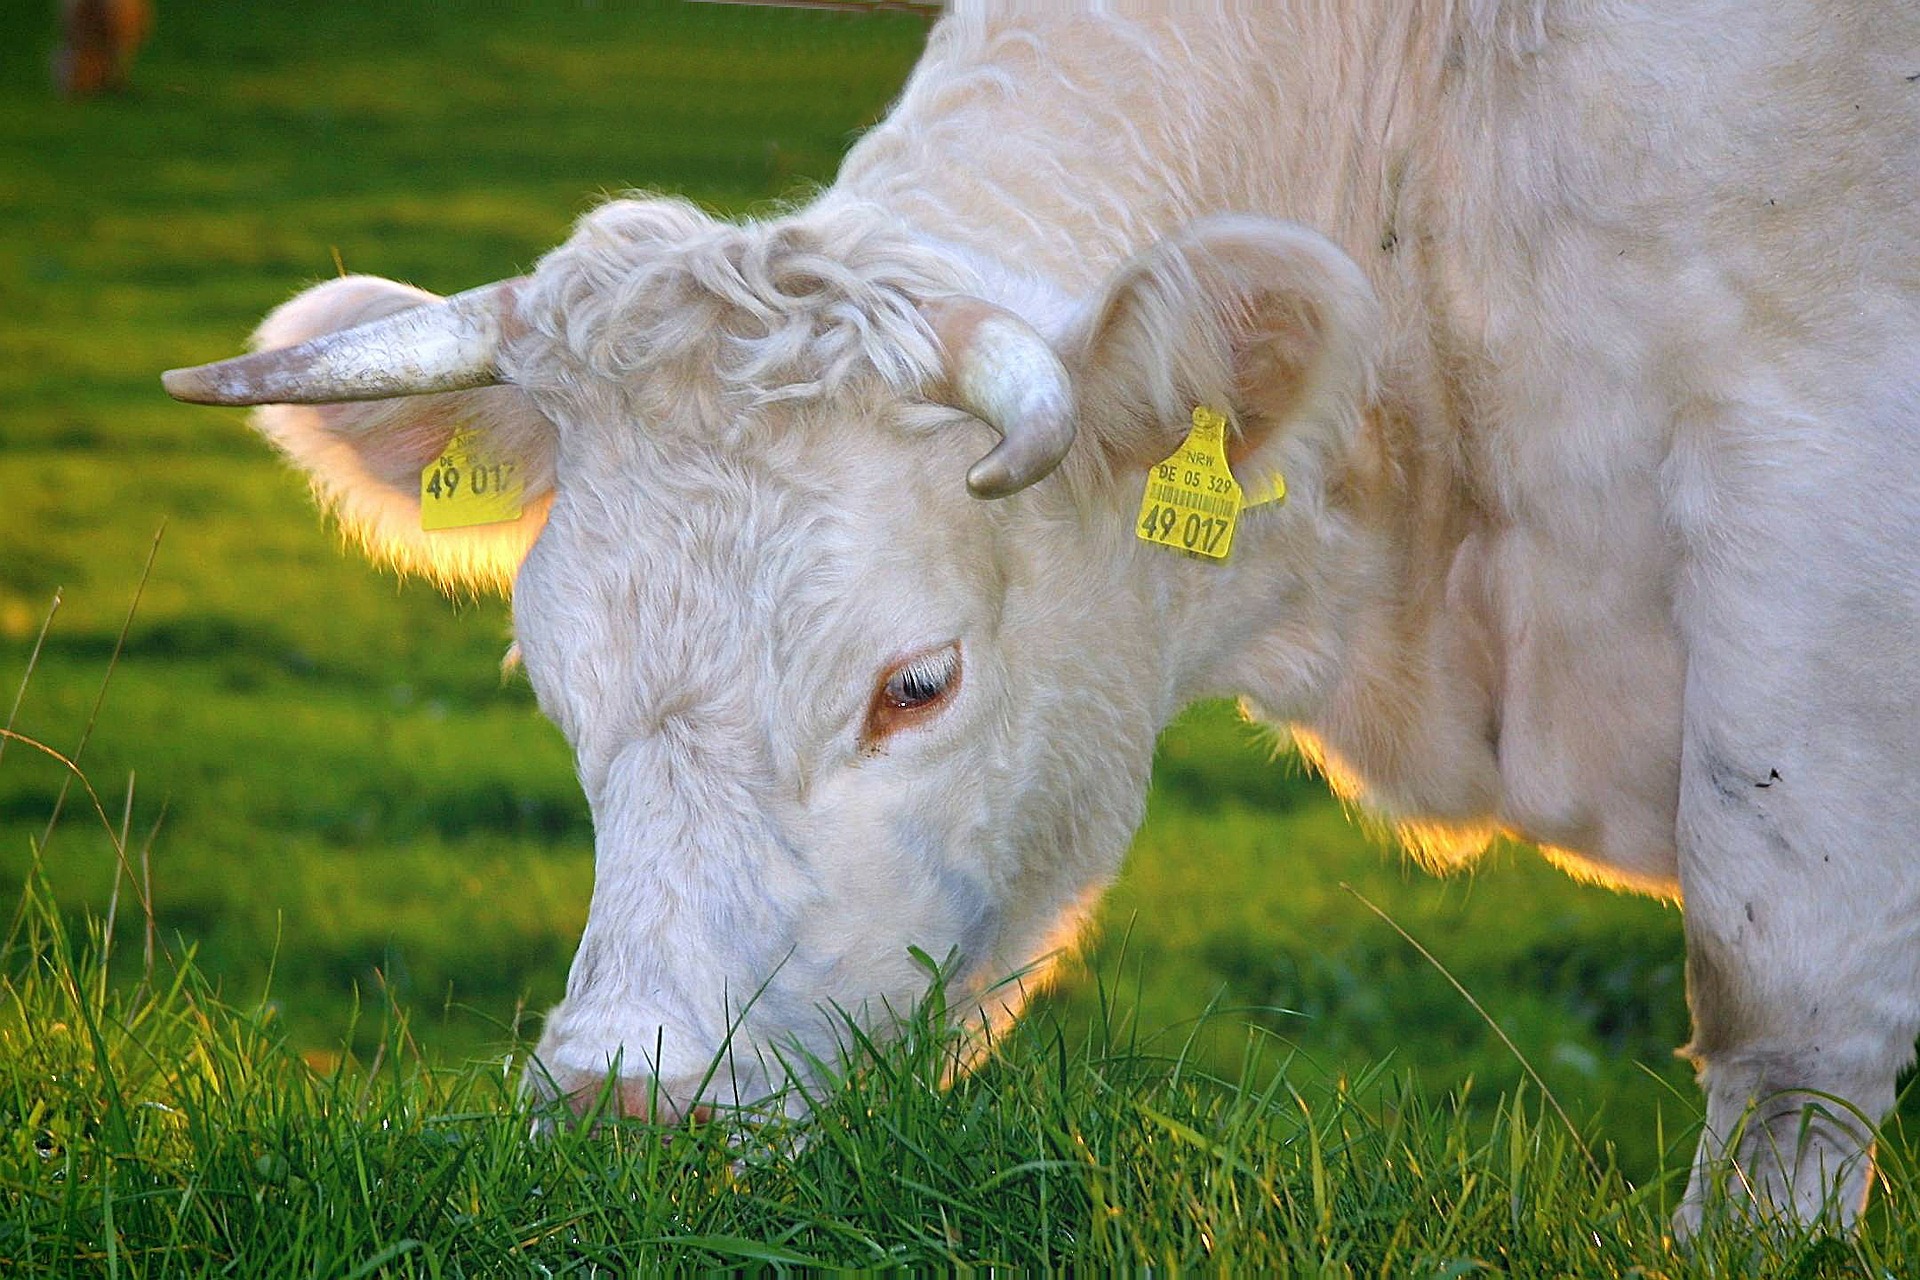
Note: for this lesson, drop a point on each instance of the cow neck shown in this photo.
(1411, 724)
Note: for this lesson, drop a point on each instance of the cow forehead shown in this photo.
(754, 586)
(653, 308)
(753, 499)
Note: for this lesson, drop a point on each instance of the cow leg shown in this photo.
(1801, 978)
(1798, 812)
(1792, 1089)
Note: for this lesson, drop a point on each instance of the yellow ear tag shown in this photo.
(467, 486)
(1192, 501)
(1275, 491)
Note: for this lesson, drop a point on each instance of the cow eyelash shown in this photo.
(921, 679)
(910, 691)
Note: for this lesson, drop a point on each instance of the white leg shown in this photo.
(1799, 813)
(1801, 965)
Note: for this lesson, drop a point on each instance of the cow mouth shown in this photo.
(563, 1098)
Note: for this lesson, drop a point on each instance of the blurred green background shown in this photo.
(340, 786)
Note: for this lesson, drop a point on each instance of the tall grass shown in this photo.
(152, 1127)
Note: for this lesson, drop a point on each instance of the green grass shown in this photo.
(154, 1129)
(342, 790)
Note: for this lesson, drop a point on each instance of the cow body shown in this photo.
(1583, 334)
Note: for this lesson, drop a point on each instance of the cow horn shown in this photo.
(1003, 372)
(447, 345)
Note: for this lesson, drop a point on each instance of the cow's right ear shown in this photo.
(365, 458)
(1264, 321)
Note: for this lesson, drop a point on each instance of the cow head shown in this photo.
(840, 688)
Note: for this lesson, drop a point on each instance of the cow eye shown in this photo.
(922, 679)
(910, 690)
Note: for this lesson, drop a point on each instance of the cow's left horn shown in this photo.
(1004, 373)
(448, 345)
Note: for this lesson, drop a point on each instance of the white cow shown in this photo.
(1584, 333)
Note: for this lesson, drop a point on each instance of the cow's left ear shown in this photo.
(365, 458)
(1263, 320)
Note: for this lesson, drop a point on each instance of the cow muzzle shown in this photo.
(561, 1094)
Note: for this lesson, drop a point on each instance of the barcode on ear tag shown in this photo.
(467, 486)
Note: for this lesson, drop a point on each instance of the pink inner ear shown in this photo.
(1264, 314)
(1275, 348)
(385, 444)
(397, 441)
(365, 457)
(388, 442)
(418, 443)
(1239, 447)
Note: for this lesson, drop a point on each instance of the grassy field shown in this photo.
(345, 805)
(158, 1130)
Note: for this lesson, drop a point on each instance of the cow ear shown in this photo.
(1262, 320)
(364, 458)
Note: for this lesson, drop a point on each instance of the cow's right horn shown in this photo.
(441, 346)
(1002, 371)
